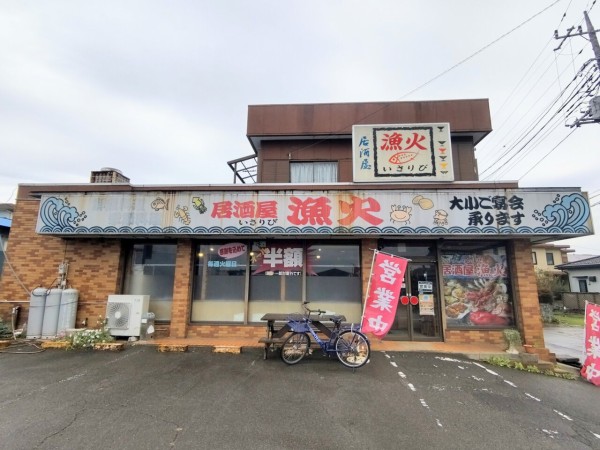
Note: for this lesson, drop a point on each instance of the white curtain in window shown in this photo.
(313, 172)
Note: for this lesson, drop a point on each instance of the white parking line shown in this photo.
(393, 364)
(402, 374)
(563, 415)
(411, 387)
(531, 396)
(550, 433)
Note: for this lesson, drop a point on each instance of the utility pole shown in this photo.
(593, 38)
(593, 113)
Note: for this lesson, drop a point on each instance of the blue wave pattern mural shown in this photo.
(58, 215)
(569, 211)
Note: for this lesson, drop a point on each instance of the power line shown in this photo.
(544, 157)
(437, 76)
(521, 153)
(479, 51)
(532, 127)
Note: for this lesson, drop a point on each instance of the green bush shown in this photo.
(5, 331)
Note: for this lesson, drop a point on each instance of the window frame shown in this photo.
(313, 164)
(132, 259)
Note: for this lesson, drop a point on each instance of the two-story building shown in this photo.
(335, 182)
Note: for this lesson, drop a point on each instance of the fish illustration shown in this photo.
(159, 204)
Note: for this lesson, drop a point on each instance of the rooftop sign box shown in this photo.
(397, 153)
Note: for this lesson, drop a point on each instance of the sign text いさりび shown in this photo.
(387, 274)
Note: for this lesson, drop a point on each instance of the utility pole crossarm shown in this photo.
(592, 114)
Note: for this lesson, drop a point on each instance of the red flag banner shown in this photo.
(387, 273)
(591, 367)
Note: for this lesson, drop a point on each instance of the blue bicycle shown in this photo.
(348, 343)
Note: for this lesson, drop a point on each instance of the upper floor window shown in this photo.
(534, 257)
(550, 259)
(314, 172)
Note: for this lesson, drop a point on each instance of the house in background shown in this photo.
(584, 275)
(547, 256)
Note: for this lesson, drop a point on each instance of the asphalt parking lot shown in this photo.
(140, 398)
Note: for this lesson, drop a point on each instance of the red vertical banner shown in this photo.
(385, 283)
(591, 367)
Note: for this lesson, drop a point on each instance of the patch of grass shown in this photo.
(570, 319)
(505, 362)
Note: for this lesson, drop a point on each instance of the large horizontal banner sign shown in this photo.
(341, 212)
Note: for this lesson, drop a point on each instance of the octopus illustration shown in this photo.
(182, 214)
(401, 214)
(440, 217)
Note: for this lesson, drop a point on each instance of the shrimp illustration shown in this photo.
(182, 214)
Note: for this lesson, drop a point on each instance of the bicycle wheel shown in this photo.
(352, 348)
(294, 348)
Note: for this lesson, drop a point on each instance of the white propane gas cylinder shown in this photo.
(37, 303)
(50, 322)
(67, 314)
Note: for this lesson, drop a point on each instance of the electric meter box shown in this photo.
(147, 326)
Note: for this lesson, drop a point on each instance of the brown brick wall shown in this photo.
(182, 295)
(94, 266)
(243, 331)
(474, 337)
(528, 308)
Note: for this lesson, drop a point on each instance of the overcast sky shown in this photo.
(160, 89)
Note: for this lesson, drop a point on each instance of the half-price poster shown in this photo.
(387, 274)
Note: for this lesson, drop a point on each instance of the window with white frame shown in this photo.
(314, 172)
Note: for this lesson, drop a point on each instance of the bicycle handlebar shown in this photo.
(316, 311)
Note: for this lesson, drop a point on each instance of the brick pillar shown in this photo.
(528, 306)
(182, 289)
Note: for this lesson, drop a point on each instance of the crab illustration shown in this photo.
(401, 213)
(182, 214)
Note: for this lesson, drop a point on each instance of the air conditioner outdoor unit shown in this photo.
(124, 314)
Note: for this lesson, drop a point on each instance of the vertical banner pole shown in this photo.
(368, 288)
